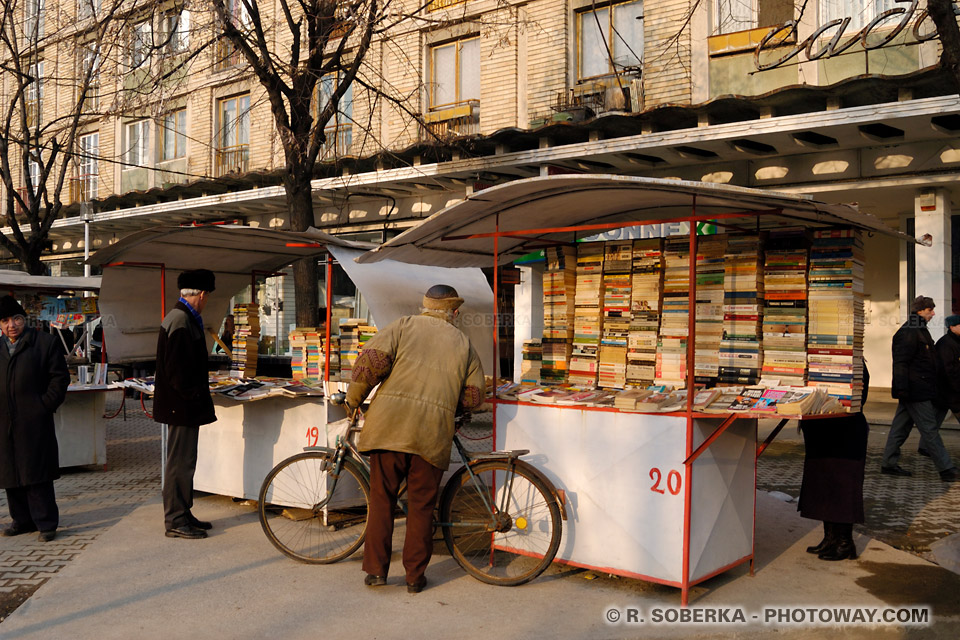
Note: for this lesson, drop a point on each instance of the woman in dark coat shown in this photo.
(33, 383)
(832, 487)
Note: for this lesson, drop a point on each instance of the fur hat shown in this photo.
(950, 321)
(10, 307)
(921, 303)
(441, 297)
(200, 279)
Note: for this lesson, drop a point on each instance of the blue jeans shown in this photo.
(927, 418)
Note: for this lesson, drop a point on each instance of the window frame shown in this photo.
(136, 148)
(139, 46)
(582, 13)
(433, 84)
(858, 20)
(33, 93)
(243, 116)
(87, 9)
(175, 25)
(33, 11)
(178, 117)
(88, 165)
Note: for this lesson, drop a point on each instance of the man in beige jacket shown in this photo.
(427, 370)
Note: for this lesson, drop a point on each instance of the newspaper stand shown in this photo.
(666, 497)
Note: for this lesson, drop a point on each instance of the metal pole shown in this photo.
(326, 346)
(85, 211)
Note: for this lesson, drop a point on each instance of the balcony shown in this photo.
(226, 55)
(231, 160)
(452, 120)
(437, 5)
(339, 140)
(84, 187)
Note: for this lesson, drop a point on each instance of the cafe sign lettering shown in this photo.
(899, 18)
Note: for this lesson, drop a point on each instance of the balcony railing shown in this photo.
(84, 187)
(232, 160)
(339, 140)
(452, 120)
(226, 55)
(437, 5)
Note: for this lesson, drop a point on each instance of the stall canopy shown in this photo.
(130, 298)
(13, 280)
(540, 211)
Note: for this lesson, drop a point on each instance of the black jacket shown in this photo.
(181, 386)
(33, 383)
(948, 374)
(914, 362)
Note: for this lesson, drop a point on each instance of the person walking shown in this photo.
(427, 371)
(948, 373)
(182, 400)
(33, 383)
(915, 387)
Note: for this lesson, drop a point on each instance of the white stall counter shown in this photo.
(81, 428)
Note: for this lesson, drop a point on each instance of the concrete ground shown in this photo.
(112, 574)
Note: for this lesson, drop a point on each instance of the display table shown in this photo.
(236, 452)
(81, 428)
(634, 508)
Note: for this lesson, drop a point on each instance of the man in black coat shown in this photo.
(33, 383)
(948, 373)
(182, 400)
(915, 386)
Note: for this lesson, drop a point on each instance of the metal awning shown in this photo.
(529, 214)
(18, 280)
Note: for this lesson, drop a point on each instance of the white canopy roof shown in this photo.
(20, 280)
(555, 202)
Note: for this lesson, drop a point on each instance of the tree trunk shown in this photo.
(941, 12)
(31, 262)
(300, 205)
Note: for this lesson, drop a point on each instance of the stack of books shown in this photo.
(644, 312)
(532, 353)
(588, 322)
(675, 314)
(246, 337)
(617, 266)
(349, 346)
(559, 288)
(302, 341)
(740, 348)
(835, 332)
(785, 307)
(709, 318)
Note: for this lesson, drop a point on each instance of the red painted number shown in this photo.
(313, 435)
(673, 481)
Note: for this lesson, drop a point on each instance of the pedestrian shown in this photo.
(427, 371)
(33, 383)
(182, 400)
(915, 387)
(948, 374)
(229, 324)
(834, 459)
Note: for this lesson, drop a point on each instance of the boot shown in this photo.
(826, 542)
(845, 547)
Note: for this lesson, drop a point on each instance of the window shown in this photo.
(33, 19)
(238, 13)
(34, 94)
(87, 8)
(89, 68)
(88, 178)
(140, 44)
(860, 12)
(173, 137)
(339, 129)
(176, 31)
(611, 39)
(33, 174)
(455, 73)
(233, 134)
(739, 15)
(137, 137)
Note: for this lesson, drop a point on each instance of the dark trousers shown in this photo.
(179, 467)
(387, 471)
(34, 504)
(927, 419)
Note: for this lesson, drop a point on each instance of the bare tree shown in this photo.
(944, 16)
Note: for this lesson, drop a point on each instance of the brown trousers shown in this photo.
(387, 471)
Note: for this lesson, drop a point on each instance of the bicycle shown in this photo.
(501, 517)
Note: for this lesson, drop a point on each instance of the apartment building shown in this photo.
(847, 106)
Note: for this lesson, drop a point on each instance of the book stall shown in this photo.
(260, 420)
(639, 393)
(69, 303)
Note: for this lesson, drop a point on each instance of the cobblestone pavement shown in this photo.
(91, 500)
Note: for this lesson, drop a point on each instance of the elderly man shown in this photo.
(33, 383)
(182, 400)
(427, 371)
(915, 386)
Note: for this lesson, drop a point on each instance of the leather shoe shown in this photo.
(47, 536)
(417, 585)
(896, 471)
(18, 529)
(923, 452)
(186, 531)
(825, 544)
(375, 581)
(950, 475)
(199, 524)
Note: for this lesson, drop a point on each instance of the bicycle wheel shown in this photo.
(310, 516)
(503, 525)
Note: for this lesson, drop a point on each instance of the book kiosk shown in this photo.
(667, 497)
(249, 438)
